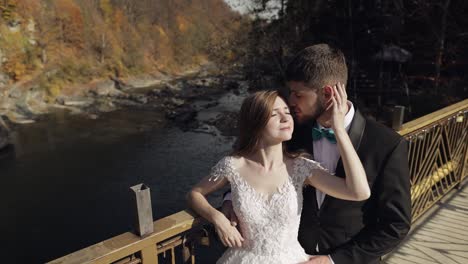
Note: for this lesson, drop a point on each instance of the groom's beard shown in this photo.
(318, 111)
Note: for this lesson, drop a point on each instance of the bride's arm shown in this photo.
(196, 198)
(355, 185)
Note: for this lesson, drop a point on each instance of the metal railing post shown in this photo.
(398, 116)
(144, 211)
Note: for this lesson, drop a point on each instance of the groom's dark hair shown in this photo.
(317, 66)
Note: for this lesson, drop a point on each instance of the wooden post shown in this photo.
(149, 255)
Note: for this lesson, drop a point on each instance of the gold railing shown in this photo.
(438, 156)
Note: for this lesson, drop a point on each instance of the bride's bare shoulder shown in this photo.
(290, 161)
(237, 161)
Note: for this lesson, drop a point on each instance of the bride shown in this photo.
(266, 182)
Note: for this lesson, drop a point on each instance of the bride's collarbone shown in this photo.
(248, 166)
(262, 180)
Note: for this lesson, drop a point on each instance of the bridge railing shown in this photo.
(438, 156)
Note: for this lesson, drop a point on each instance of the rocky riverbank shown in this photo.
(197, 101)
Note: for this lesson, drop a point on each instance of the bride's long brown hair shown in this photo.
(254, 115)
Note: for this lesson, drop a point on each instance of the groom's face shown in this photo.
(305, 102)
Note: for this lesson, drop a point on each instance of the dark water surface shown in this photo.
(67, 184)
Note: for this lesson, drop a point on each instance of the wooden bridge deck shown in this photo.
(441, 236)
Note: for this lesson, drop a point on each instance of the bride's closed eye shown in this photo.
(285, 110)
(286, 113)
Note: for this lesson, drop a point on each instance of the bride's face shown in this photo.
(280, 125)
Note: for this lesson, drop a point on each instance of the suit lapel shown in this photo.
(356, 130)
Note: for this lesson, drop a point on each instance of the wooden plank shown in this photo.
(128, 243)
(149, 255)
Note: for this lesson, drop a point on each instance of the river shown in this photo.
(66, 186)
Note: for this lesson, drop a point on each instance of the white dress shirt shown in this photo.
(327, 153)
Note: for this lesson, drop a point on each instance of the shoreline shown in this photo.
(180, 98)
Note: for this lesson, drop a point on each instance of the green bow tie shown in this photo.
(318, 133)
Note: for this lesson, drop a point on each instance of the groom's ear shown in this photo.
(327, 92)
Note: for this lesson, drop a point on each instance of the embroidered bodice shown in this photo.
(269, 224)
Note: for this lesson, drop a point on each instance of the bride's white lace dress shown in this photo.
(269, 225)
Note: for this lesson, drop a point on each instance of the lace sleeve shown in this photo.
(222, 169)
(307, 167)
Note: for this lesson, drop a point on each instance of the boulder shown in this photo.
(106, 88)
(4, 79)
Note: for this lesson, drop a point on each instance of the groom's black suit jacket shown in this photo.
(360, 232)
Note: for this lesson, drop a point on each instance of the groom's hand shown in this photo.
(319, 260)
(228, 211)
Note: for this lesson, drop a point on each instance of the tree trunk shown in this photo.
(103, 47)
(43, 56)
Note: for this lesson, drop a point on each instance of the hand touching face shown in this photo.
(338, 106)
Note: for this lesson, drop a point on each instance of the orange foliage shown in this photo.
(160, 31)
(70, 21)
(119, 19)
(15, 68)
(163, 52)
(132, 36)
(182, 23)
(106, 8)
(29, 7)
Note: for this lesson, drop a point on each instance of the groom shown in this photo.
(334, 230)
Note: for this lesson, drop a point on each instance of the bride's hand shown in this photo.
(339, 106)
(227, 233)
(318, 260)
